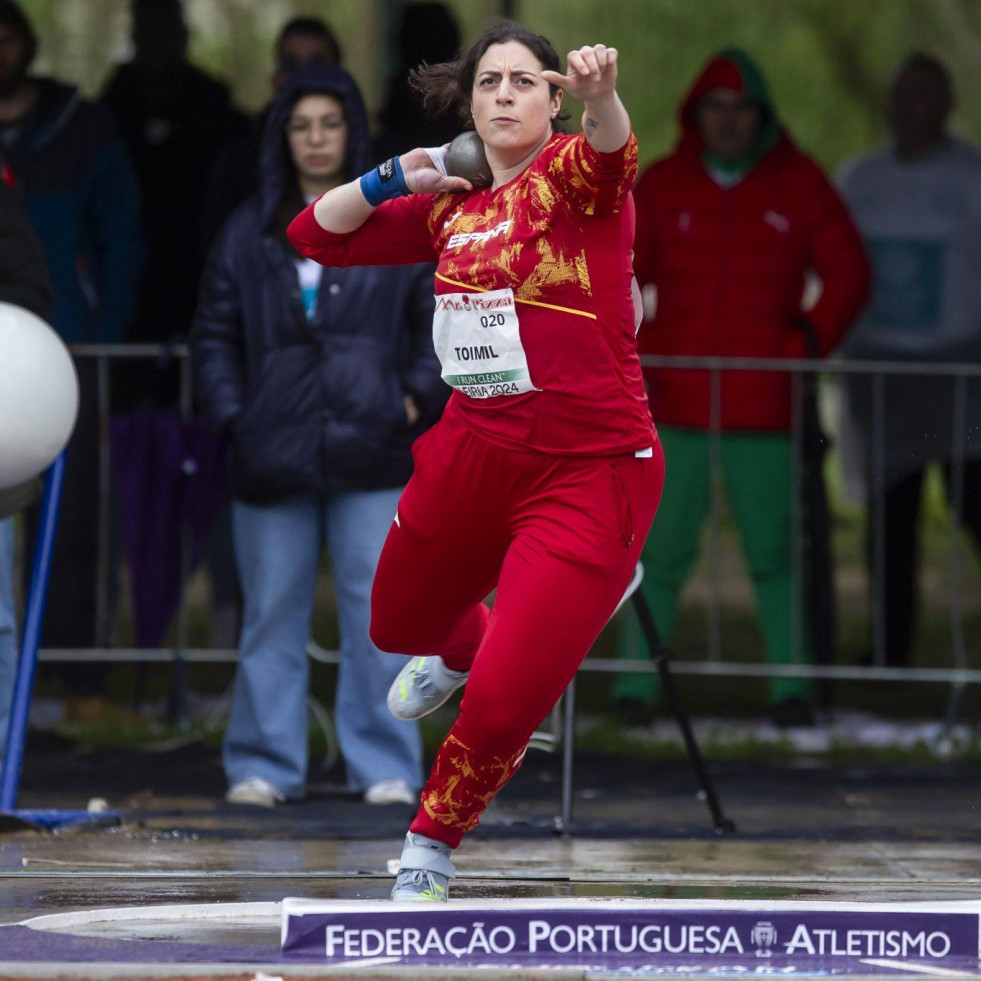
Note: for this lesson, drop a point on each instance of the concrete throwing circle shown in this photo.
(213, 933)
(251, 924)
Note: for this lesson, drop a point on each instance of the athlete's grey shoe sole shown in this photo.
(422, 686)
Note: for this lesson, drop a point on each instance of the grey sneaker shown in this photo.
(422, 686)
(424, 871)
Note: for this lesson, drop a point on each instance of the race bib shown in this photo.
(478, 344)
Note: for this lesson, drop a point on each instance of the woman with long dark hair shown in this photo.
(544, 474)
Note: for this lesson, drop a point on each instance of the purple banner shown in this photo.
(595, 936)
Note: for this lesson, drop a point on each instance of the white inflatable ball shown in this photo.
(38, 395)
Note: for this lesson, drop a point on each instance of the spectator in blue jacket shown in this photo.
(81, 195)
(79, 187)
(321, 379)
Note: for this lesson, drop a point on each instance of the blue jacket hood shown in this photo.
(56, 105)
(276, 165)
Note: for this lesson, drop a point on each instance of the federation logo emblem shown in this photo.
(764, 936)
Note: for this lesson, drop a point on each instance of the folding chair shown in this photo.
(561, 723)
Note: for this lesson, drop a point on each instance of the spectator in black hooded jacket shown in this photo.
(321, 379)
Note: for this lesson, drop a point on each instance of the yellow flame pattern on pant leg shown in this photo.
(461, 786)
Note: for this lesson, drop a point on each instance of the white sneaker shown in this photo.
(256, 791)
(394, 791)
(424, 871)
(422, 686)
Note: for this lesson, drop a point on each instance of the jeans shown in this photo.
(8, 628)
(277, 548)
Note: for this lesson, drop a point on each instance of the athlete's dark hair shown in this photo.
(12, 16)
(450, 84)
(309, 27)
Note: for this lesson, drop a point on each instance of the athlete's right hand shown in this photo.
(423, 177)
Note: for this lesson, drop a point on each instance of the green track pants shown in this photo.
(757, 470)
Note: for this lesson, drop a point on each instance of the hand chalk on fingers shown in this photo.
(437, 154)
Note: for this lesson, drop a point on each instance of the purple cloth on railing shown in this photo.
(170, 480)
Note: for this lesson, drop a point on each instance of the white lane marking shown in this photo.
(940, 972)
(368, 962)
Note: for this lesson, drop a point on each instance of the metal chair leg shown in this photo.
(661, 655)
(31, 635)
(563, 823)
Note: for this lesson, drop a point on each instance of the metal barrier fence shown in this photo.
(959, 673)
(960, 375)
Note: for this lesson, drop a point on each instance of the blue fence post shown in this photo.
(31, 635)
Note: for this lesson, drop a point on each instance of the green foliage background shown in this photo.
(828, 61)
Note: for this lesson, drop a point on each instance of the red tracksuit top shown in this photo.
(729, 266)
(559, 235)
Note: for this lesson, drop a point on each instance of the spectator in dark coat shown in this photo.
(321, 379)
(24, 282)
(175, 120)
(82, 198)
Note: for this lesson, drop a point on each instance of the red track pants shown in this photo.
(559, 537)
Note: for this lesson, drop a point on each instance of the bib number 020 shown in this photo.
(478, 342)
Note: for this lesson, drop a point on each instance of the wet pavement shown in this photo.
(805, 832)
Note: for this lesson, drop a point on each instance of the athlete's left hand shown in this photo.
(591, 73)
(423, 176)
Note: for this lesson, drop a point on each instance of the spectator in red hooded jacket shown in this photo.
(729, 227)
